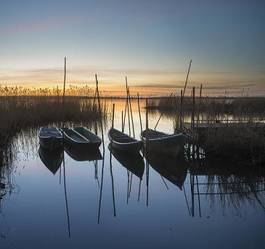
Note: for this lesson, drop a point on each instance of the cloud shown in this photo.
(33, 26)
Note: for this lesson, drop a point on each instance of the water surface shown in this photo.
(102, 204)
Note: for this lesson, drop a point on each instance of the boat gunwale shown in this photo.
(95, 141)
(132, 142)
(166, 137)
(75, 141)
(59, 136)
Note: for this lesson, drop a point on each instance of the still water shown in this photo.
(103, 204)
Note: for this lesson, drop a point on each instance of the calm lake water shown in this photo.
(102, 204)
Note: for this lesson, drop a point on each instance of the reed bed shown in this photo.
(22, 112)
(243, 143)
(241, 106)
(19, 112)
(228, 128)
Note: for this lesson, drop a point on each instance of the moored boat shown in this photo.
(123, 142)
(50, 138)
(170, 144)
(93, 139)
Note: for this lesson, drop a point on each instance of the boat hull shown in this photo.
(132, 148)
(171, 145)
(123, 142)
(51, 143)
(50, 138)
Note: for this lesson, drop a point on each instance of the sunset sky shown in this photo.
(149, 41)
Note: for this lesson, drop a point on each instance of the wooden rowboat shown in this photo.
(170, 144)
(134, 163)
(51, 159)
(50, 138)
(93, 139)
(123, 142)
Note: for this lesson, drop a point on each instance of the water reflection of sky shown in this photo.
(34, 215)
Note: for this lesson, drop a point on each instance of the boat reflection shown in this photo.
(132, 162)
(51, 159)
(174, 169)
(83, 154)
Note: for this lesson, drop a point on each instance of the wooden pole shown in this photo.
(126, 109)
(192, 121)
(130, 188)
(139, 190)
(187, 77)
(128, 185)
(158, 120)
(113, 110)
(146, 114)
(101, 187)
(64, 78)
(139, 111)
(125, 112)
(192, 194)
(122, 126)
(64, 83)
(181, 110)
(58, 95)
(147, 183)
(112, 184)
(129, 123)
(100, 111)
(130, 105)
(161, 115)
(95, 96)
(66, 200)
(199, 106)
(193, 109)
(198, 194)
(97, 93)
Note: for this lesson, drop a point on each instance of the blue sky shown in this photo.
(150, 41)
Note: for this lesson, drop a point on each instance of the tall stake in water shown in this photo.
(111, 172)
(130, 106)
(64, 79)
(187, 77)
(100, 111)
(147, 165)
(182, 94)
(139, 111)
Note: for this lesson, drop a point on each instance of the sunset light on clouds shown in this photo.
(151, 42)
